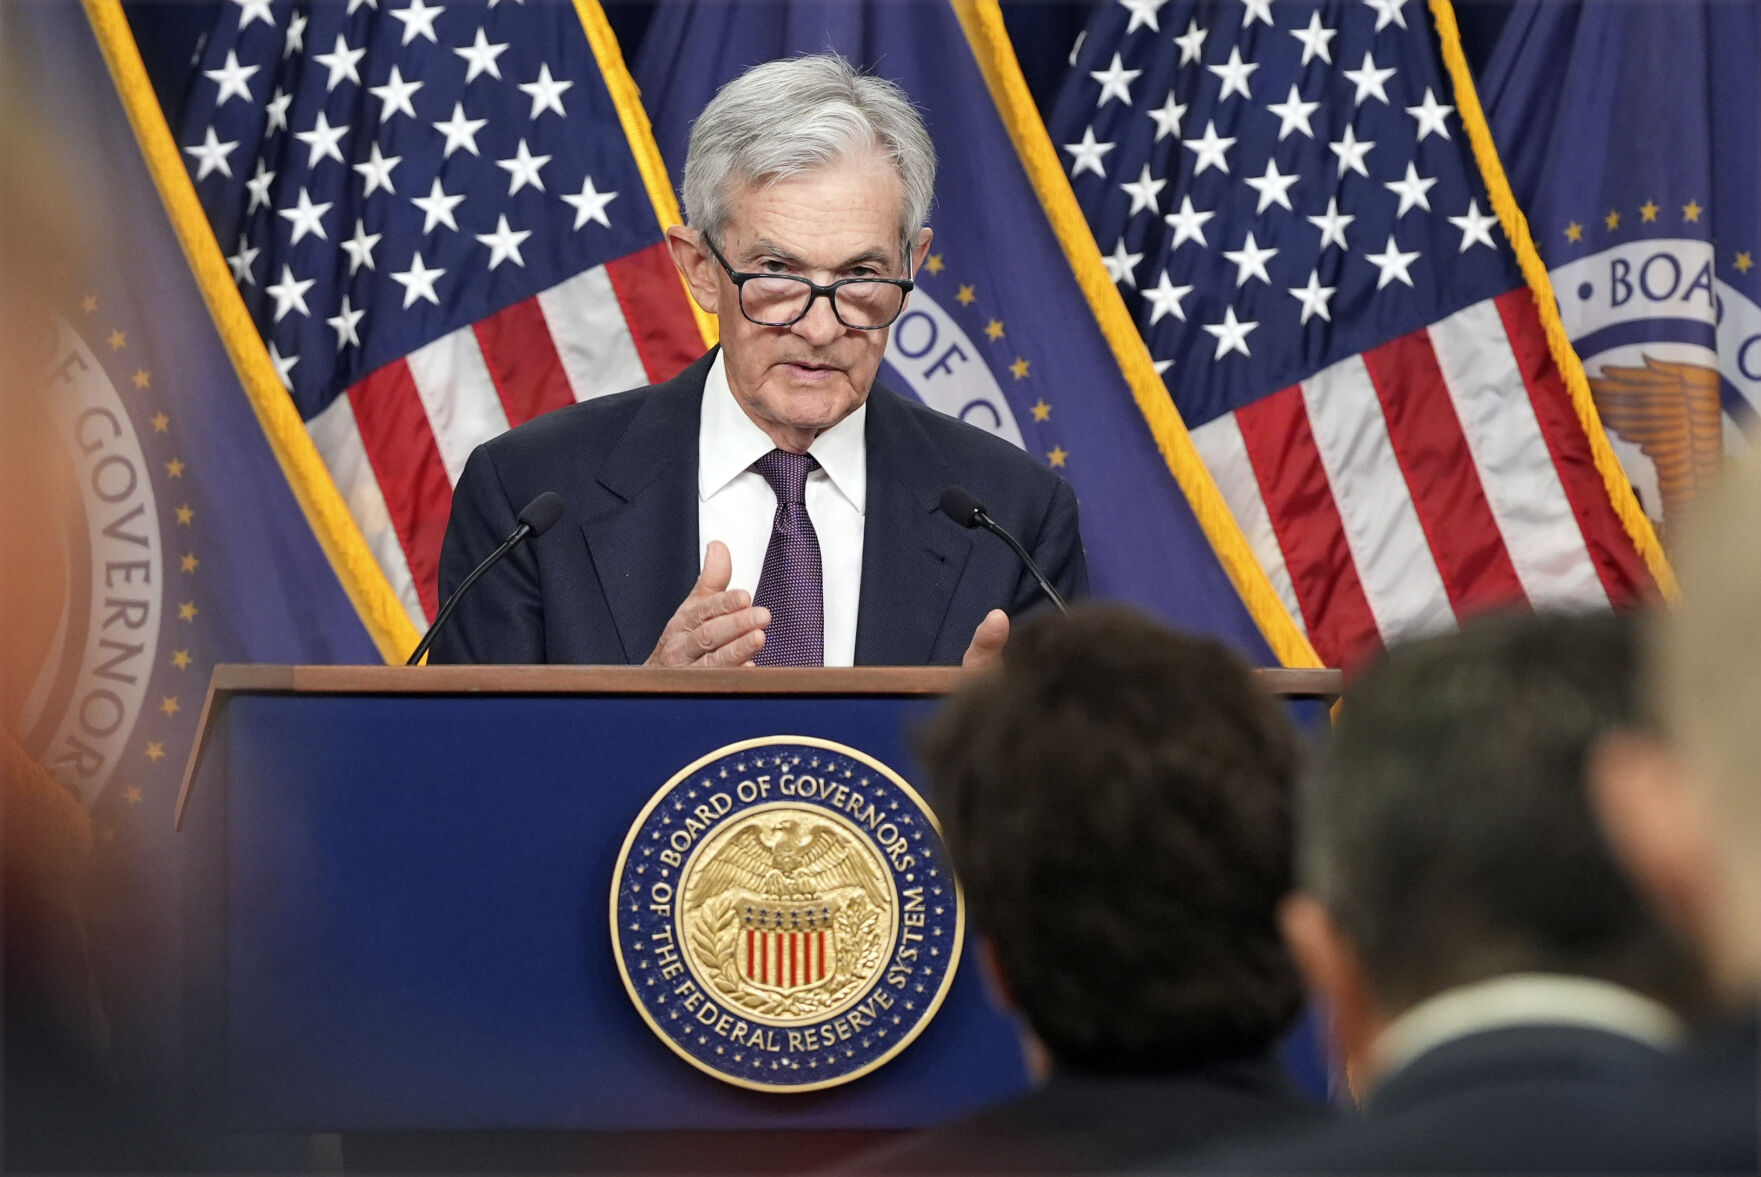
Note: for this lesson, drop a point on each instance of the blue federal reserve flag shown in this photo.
(167, 537)
(1630, 136)
(1003, 330)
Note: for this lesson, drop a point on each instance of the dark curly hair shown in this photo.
(1117, 800)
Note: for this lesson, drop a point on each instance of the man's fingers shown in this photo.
(738, 652)
(713, 625)
(717, 632)
(718, 570)
(723, 640)
(988, 641)
(696, 611)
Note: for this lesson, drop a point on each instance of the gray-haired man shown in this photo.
(1499, 994)
(772, 503)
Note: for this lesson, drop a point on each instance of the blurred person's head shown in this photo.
(37, 240)
(51, 1008)
(1684, 811)
(1446, 835)
(41, 221)
(1116, 797)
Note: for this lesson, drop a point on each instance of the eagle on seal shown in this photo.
(786, 862)
(1672, 413)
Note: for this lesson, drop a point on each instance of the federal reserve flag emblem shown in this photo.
(784, 914)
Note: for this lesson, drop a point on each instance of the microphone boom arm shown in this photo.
(452, 602)
(984, 520)
(535, 519)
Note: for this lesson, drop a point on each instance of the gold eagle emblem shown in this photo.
(787, 914)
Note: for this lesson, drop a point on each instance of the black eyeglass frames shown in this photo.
(782, 300)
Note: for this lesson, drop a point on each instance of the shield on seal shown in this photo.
(786, 951)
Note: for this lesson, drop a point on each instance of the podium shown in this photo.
(396, 898)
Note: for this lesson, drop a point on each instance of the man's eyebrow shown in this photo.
(763, 248)
(866, 256)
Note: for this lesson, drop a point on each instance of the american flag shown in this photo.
(1285, 196)
(440, 229)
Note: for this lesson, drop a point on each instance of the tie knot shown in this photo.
(787, 474)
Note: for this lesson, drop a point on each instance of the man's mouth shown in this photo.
(811, 371)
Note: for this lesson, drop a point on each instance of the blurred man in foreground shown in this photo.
(1686, 819)
(1116, 798)
(1498, 992)
(64, 1107)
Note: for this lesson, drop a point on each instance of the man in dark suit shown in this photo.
(1499, 994)
(1684, 814)
(1116, 798)
(772, 503)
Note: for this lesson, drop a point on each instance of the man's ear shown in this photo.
(1002, 991)
(996, 981)
(1334, 974)
(921, 249)
(698, 268)
(1658, 825)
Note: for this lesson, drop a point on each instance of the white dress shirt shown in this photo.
(737, 506)
(1521, 999)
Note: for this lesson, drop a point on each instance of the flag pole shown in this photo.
(362, 579)
(1571, 366)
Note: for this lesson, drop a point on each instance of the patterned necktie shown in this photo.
(792, 585)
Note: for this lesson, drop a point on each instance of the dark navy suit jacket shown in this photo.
(1109, 1123)
(1519, 1099)
(600, 585)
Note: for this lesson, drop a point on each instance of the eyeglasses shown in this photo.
(782, 300)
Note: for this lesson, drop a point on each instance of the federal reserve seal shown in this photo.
(784, 914)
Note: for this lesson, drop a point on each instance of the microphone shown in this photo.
(536, 518)
(963, 507)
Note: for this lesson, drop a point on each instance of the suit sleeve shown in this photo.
(502, 618)
(1057, 549)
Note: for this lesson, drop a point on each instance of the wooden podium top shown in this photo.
(233, 678)
(236, 678)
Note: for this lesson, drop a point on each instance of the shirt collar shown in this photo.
(1522, 999)
(728, 442)
(842, 452)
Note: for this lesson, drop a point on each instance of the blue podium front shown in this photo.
(398, 888)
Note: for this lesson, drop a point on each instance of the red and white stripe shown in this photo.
(396, 443)
(787, 960)
(1440, 473)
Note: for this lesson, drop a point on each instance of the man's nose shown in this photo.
(819, 326)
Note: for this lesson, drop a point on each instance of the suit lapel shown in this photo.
(911, 561)
(643, 539)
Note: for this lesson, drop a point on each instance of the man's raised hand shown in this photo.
(713, 626)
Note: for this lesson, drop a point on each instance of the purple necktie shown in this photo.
(792, 585)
